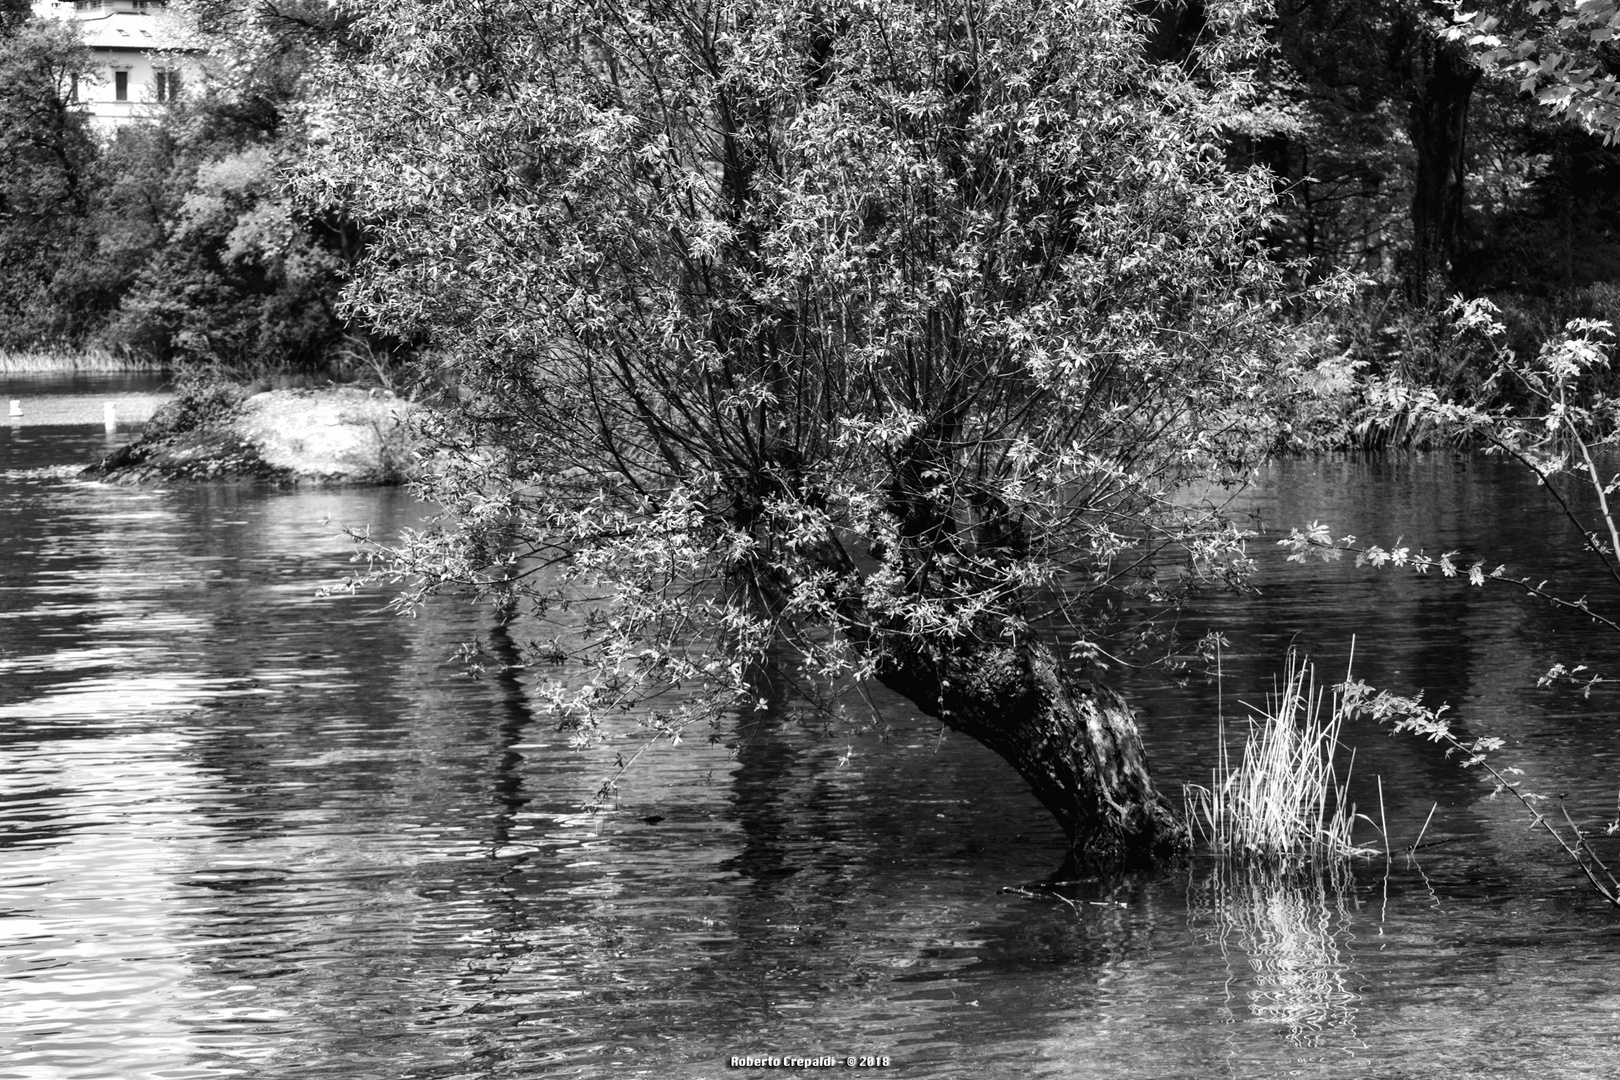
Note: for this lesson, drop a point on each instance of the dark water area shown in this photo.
(249, 831)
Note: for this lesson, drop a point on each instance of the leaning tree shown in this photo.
(861, 339)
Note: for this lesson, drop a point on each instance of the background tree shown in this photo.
(236, 276)
(877, 335)
(13, 13)
(1377, 161)
(47, 156)
(241, 279)
(176, 239)
(1396, 158)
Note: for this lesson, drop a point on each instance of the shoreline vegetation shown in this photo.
(284, 438)
(50, 361)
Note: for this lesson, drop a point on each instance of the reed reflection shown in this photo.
(1284, 934)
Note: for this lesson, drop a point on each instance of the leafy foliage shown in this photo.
(1560, 57)
(238, 281)
(1551, 433)
(174, 240)
(883, 332)
(47, 157)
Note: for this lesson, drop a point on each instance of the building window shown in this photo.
(168, 85)
(120, 86)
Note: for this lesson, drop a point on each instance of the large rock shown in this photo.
(340, 435)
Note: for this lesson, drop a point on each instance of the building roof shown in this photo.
(146, 33)
(114, 25)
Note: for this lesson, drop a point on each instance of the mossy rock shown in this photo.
(339, 435)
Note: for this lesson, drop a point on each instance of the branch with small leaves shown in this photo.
(1316, 541)
(1559, 59)
(1409, 716)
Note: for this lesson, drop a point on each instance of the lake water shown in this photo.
(247, 831)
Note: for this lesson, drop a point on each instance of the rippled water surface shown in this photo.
(249, 831)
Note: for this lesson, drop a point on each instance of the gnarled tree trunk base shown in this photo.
(1074, 742)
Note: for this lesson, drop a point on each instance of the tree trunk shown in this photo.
(1075, 743)
(1439, 95)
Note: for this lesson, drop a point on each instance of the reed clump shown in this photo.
(1283, 798)
(71, 360)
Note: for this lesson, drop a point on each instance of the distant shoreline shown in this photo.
(46, 362)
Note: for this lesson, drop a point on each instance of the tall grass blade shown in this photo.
(1284, 798)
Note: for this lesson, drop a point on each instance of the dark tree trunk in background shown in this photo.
(1075, 743)
(1442, 84)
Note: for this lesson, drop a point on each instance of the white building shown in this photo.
(139, 53)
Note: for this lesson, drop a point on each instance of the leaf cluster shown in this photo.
(1563, 58)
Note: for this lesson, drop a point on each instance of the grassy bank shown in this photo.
(32, 362)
